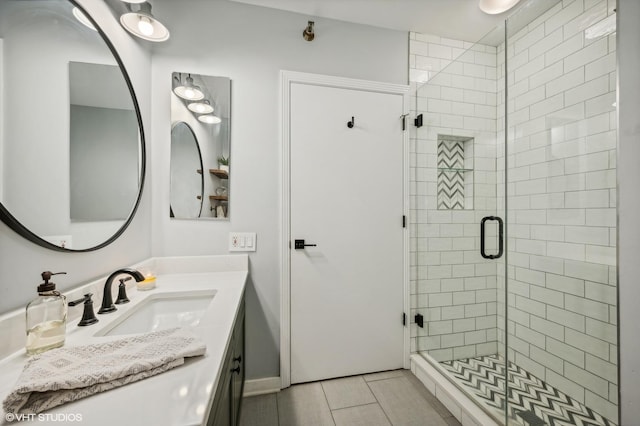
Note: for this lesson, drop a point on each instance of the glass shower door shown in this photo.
(456, 222)
(561, 202)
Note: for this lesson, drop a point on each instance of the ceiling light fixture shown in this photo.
(80, 16)
(188, 90)
(133, 1)
(209, 119)
(203, 107)
(141, 23)
(494, 7)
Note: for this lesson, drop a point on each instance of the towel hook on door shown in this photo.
(351, 123)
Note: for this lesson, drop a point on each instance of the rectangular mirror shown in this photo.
(104, 127)
(200, 146)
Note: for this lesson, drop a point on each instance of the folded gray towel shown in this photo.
(74, 372)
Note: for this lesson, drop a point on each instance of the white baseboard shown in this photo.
(262, 386)
(460, 405)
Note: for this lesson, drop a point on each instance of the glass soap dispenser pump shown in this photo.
(46, 317)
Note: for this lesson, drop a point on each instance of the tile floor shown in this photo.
(531, 400)
(390, 398)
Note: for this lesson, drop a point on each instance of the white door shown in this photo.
(346, 198)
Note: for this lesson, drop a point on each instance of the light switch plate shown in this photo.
(242, 241)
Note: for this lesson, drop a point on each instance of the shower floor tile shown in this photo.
(532, 402)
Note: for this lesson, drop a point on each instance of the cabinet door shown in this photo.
(223, 415)
(238, 365)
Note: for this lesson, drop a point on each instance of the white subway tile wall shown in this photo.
(561, 201)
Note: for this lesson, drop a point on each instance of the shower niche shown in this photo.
(455, 172)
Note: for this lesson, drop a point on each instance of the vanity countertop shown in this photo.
(180, 396)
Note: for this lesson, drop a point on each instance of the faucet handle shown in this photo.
(122, 292)
(86, 297)
(88, 316)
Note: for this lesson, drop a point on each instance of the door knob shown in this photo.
(299, 244)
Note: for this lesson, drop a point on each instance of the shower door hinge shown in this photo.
(419, 320)
(418, 121)
(404, 221)
(404, 319)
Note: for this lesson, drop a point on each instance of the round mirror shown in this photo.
(71, 139)
(187, 183)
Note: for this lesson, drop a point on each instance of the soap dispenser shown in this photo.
(46, 317)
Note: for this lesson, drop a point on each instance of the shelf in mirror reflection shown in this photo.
(222, 174)
(219, 197)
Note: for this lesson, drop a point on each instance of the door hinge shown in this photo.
(419, 320)
(404, 221)
(418, 121)
(404, 318)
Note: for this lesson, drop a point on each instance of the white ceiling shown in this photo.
(456, 19)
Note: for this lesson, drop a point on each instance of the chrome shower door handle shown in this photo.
(500, 237)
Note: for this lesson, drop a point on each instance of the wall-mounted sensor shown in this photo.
(308, 33)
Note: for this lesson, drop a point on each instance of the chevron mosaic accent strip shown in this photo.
(450, 182)
(532, 402)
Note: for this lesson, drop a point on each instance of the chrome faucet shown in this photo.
(107, 301)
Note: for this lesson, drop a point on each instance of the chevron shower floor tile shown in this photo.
(532, 402)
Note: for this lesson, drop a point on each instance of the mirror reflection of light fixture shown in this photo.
(203, 107)
(188, 90)
(209, 119)
(494, 7)
(141, 23)
(80, 16)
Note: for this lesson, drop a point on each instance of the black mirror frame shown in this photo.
(23, 231)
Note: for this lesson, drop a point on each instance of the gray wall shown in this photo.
(628, 208)
(21, 262)
(251, 45)
(103, 164)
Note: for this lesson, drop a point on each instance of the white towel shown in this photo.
(71, 373)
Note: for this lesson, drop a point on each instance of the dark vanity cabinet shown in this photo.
(225, 410)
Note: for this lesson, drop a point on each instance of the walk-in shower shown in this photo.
(519, 140)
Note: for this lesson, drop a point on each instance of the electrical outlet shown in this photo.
(242, 241)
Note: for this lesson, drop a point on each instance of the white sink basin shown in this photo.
(161, 311)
